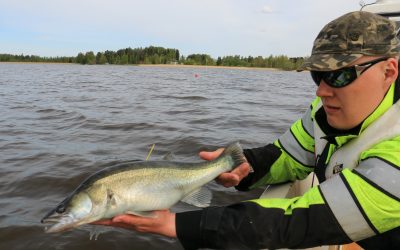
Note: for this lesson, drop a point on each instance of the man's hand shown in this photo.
(162, 223)
(227, 179)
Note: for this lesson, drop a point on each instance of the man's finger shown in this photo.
(126, 218)
(208, 156)
(242, 170)
(103, 222)
(228, 179)
(233, 178)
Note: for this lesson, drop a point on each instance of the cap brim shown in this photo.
(328, 62)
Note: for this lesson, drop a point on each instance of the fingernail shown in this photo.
(117, 220)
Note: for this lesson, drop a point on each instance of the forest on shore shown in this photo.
(160, 55)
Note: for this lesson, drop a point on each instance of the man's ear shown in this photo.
(391, 71)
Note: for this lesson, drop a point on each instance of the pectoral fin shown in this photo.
(111, 198)
(200, 197)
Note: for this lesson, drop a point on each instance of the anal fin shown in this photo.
(200, 197)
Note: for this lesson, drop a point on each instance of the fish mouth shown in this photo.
(74, 211)
(59, 223)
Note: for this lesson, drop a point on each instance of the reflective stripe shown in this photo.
(345, 209)
(318, 135)
(308, 123)
(382, 174)
(295, 149)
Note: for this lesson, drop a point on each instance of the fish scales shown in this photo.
(139, 188)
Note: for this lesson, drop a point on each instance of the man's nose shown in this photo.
(324, 89)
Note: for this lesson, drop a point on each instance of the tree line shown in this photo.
(33, 58)
(149, 55)
(160, 55)
(280, 62)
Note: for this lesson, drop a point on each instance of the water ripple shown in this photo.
(59, 123)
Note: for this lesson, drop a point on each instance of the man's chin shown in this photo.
(339, 125)
(334, 123)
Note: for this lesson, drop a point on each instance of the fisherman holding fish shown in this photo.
(350, 138)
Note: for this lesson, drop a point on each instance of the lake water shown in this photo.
(61, 122)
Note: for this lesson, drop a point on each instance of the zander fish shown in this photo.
(139, 188)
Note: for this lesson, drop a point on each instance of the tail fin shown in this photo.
(235, 151)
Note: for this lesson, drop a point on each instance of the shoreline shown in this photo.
(37, 63)
(158, 65)
(205, 66)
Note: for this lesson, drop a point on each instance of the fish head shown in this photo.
(75, 210)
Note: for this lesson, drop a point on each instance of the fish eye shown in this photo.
(60, 209)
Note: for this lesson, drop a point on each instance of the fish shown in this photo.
(139, 188)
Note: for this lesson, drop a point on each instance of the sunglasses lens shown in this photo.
(342, 77)
(335, 79)
(345, 76)
(317, 76)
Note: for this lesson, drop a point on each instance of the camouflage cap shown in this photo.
(351, 36)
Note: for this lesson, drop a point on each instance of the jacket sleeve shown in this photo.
(289, 158)
(300, 222)
(366, 200)
(359, 205)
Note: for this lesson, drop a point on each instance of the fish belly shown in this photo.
(139, 199)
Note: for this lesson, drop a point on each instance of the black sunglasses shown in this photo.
(343, 77)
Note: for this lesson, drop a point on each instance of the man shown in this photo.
(350, 137)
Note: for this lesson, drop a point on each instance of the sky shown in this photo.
(215, 27)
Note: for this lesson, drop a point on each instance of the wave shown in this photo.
(189, 97)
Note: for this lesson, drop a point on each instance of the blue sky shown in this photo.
(215, 27)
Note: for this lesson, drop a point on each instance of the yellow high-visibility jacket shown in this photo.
(359, 203)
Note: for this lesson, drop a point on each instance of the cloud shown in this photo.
(222, 27)
(266, 9)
